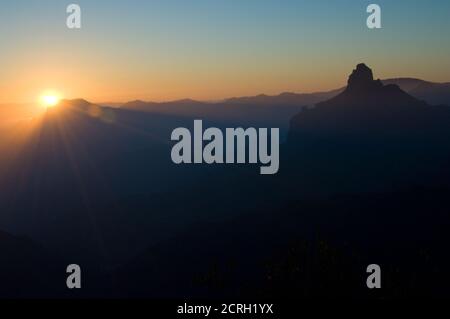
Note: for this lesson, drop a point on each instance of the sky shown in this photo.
(213, 49)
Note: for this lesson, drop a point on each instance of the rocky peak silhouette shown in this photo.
(368, 110)
(361, 79)
(363, 91)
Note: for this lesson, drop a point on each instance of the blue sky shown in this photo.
(212, 49)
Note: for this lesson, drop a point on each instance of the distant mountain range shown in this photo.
(276, 111)
(431, 92)
(261, 110)
(266, 112)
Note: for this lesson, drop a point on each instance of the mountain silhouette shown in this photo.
(286, 98)
(367, 105)
(276, 111)
(105, 177)
(370, 135)
(258, 112)
(363, 89)
(406, 84)
(81, 158)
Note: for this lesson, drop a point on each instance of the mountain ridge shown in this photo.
(412, 85)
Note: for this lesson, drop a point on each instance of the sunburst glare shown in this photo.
(50, 99)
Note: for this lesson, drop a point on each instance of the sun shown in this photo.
(50, 99)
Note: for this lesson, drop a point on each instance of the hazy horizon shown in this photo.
(218, 100)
